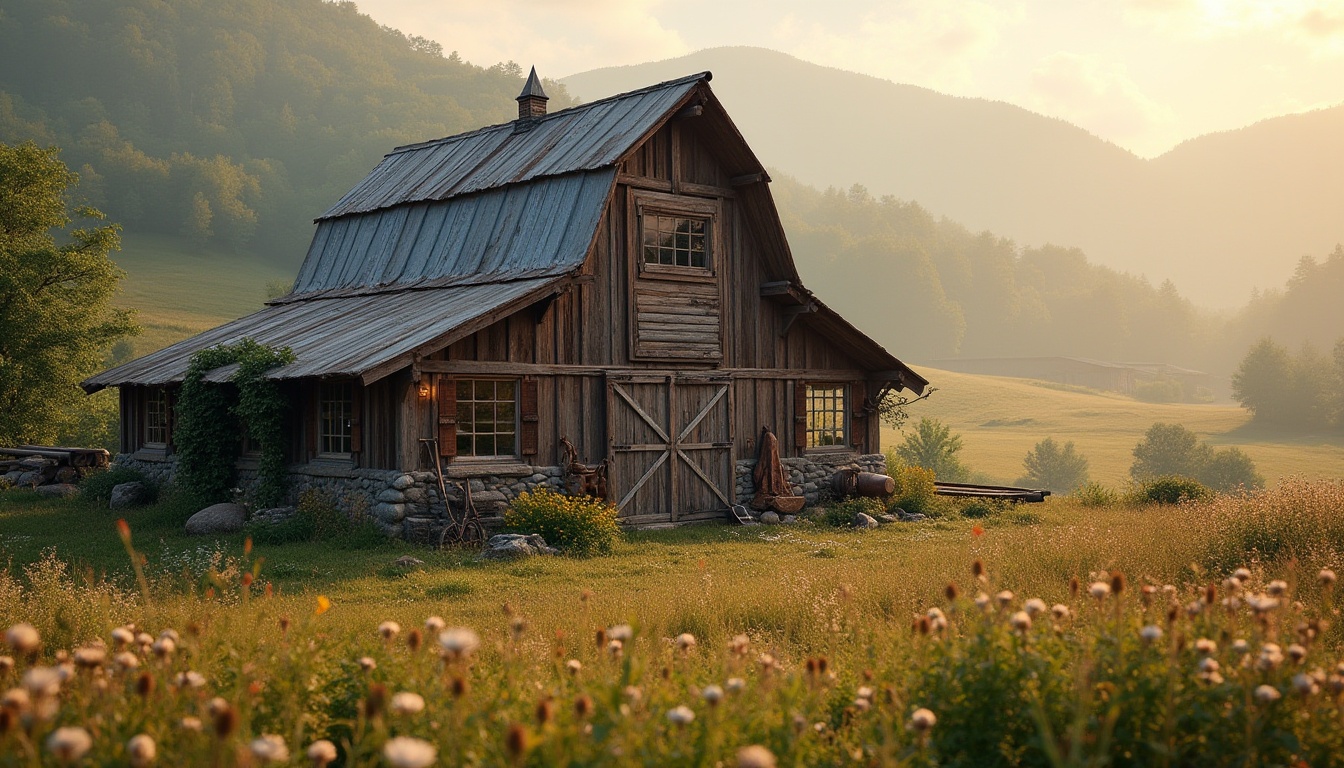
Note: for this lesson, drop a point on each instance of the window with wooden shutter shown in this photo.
(447, 416)
(527, 414)
(800, 415)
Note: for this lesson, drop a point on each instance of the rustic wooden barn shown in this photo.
(614, 274)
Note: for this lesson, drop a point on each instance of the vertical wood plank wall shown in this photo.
(591, 325)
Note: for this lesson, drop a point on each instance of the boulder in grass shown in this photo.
(131, 494)
(862, 520)
(58, 491)
(510, 546)
(770, 518)
(217, 518)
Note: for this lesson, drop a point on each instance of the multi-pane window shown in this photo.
(335, 417)
(156, 417)
(487, 417)
(676, 241)
(825, 415)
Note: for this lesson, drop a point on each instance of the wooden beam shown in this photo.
(792, 313)
(694, 110)
(685, 187)
(747, 178)
(642, 374)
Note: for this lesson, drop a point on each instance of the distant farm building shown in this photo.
(613, 275)
(1126, 378)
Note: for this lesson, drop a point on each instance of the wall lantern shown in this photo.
(423, 389)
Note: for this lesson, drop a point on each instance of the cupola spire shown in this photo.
(532, 101)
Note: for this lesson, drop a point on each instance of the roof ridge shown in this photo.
(705, 75)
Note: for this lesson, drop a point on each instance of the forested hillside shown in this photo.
(932, 288)
(230, 122)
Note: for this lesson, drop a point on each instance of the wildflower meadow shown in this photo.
(1197, 634)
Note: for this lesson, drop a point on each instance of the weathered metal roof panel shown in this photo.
(544, 227)
(582, 138)
(346, 336)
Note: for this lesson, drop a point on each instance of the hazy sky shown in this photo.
(1145, 74)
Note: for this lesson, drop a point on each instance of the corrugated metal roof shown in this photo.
(582, 138)
(537, 229)
(348, 336)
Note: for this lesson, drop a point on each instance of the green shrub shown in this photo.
(1160, 390)
(1095, 495)
(580, 525)
(915, 491)
(1172, 489)
(1054, 467)
(933, 446)
(97, 487)
(841, 514)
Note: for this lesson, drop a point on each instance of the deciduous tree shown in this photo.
(933, 446)
(56, 286)
(1054, 467)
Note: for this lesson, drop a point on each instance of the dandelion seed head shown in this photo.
(123, 636)
(1277, 588)
(615, 648)
(407, 703)
(921, 721)
(1242, 574)
(1305, 684)
(1059, 611)
(321, 753)
(69, 743)
(367, 663)
(755, 756)
(1021, 621)
(1267, 694)
(1151, 633)
(1206, 646)
(1034, 607)
(574, 666)
(1004, 598)
(434, 625)
(42, 681)
(735, 684)
(410, 752)
(982, 601)
(23, 638)
(622, 632)
(1326, 577)
(680, 715)
(712, 694)
(141, 750)
(459, 642)
(1241, 646)
(1297, 653)
(388, 630)
(1099, 590)
(685, 641)
(190, 724)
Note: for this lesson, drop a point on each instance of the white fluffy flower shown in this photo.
(921, 720)
(23, 638)
(407, 703)
(269, 748)
(1034, 607)
(459, 642)
(1151, 633)
(141, 750)
(69, 743)
(408, 752)
(1266, 694)
(680, 715)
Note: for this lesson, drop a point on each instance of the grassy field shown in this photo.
(817, 645)
(180, 293)
(1001, 419)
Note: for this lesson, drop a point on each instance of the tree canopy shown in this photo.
(1056, 468)
(56, 286)
(933, 446)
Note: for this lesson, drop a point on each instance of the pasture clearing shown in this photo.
(1002, 418)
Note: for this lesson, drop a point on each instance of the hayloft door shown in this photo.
(670, 447)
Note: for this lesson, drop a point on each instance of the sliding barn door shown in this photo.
(671, 444)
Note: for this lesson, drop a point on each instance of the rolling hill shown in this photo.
(1219, 215)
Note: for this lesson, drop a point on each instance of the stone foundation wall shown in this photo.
(388, 497)
(810, 475)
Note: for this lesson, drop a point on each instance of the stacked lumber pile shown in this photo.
(31, 466)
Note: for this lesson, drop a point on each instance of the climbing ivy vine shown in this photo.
(211, 417)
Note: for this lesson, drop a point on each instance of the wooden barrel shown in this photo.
(873, 484)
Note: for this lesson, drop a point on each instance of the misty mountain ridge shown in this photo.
(1220, 214)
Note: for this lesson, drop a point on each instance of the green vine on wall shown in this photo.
(210, 417)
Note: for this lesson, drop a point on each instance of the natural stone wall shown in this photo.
(811, 474)
(388, 497)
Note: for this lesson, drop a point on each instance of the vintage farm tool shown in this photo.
(466, 529)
